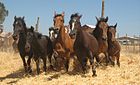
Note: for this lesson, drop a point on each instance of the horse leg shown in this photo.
(67, 64)
(24, 63)
(50, 60)
(84, 64)
(107, 58)
(91, 57)
(44, 62)
(113, 60)
(67, 61)
(118, 59)
(37, 65)
(29, 66)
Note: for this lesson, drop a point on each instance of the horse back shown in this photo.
(46, 44)
(86, 41)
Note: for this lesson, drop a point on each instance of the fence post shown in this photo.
(37, 24)
(134, 50)
(139, 44)
(126, 44)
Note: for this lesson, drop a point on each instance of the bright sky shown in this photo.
(125, 12)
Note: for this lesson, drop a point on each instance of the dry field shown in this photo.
(11, 72)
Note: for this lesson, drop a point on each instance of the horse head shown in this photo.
(53, 33)
(112, 32)
(58, 20)
(74, 23)
(101, 28)
(31, 37)
(19, 26)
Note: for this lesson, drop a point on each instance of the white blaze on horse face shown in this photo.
(55, 35)
(66, 30)
(51, 34)
(16, 22)
(72, 25)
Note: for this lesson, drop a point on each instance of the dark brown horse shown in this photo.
(20, 29)
(63, 43)
(114, 47)
(85, 45)
(100, 34)
(41, 47)
(88, 28)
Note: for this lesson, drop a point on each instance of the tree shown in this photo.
(3, 13)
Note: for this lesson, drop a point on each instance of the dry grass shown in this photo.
(11, 72)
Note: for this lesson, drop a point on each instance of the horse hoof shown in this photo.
(113, 63)
(119, 66)
(106, 64)
(94, 75)
(26, 71)
(51, 67)
(30, 71)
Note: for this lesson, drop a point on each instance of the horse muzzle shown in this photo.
(27, 47)
(15, 37)
(104, 38)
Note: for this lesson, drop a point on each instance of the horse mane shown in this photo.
(111, 26)
(75, 15)
(58, 15)
(23, 22)
(102, 19)
(96, 31)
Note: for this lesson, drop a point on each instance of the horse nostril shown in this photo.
(104, 38)
(14, 37)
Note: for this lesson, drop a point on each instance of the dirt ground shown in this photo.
(12, 72)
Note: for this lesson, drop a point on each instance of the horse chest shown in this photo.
(103, 46)
(113, 48)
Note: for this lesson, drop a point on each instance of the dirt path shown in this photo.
(11, 72)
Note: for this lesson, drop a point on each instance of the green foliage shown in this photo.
(3, 13)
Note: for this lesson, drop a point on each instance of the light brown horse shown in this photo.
(114, 47)
(63, 43)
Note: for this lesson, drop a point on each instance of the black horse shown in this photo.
(41, 46)
(85, 45)
(19, 28)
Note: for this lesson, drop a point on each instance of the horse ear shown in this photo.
(63, 13)
(50, 29)
(23, 17)
(97, 18)
(15, 17)
(55, 13)
(80, 16)
(106, 19)
(39, 36)
(115, 25)
(32, 28)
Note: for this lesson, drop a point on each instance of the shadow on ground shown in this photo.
(17, 75)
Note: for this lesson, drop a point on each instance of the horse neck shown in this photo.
(97, 34)
(111, 42)
(36, 46)
(79, 27)
(22, 40)
(79, 33)
(62, 33)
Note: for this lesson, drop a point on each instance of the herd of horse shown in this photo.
(76, 41)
